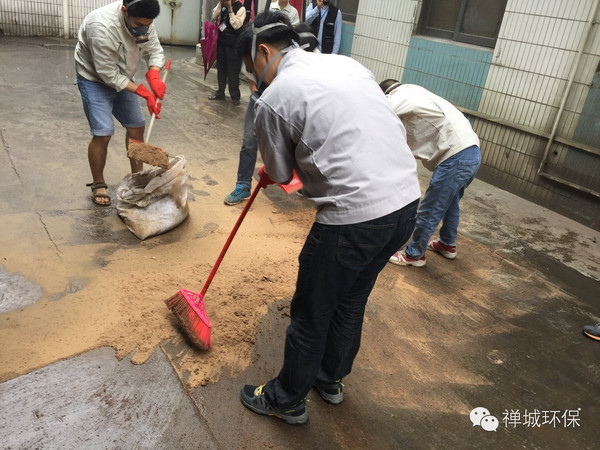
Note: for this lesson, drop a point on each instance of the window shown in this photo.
(471, 21)
(348, 9)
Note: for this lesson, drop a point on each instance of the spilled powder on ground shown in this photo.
(123, 306)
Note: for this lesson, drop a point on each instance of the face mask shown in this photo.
(139, 33)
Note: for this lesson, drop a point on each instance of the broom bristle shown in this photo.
(188, 307)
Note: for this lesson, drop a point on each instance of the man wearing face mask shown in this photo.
(111, 42)
(341, 137)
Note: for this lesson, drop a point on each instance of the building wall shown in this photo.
(456, 72)
(382, 35)
(514, 92)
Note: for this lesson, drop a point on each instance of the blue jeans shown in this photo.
(339, 265)
(249, 148)
(440, 202)
(101, 103)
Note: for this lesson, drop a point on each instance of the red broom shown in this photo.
(188, 307)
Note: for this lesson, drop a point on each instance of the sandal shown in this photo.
(96, 197)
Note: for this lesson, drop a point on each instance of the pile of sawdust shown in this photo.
(147, 153)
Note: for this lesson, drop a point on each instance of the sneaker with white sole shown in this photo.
(447, 251)
(331, 392)
(254, 399)
(401, 259)
(240, 193)
(592, 331)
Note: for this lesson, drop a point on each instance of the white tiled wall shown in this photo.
(533, 57)
(382, 34)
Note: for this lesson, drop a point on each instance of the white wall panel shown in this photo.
(382, 34)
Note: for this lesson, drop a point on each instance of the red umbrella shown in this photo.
(208, 45)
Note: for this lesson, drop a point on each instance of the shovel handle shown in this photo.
(164, 79)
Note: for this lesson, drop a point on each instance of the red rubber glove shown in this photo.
(156, 84)
(265, 179)
(153, 106)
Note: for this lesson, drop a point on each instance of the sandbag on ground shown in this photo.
(154, 201)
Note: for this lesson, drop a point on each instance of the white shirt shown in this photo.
(106, 52)
(435, 129)
(326, 117)
(288, 10)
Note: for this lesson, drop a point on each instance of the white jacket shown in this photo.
(435, 129)
(107, 53)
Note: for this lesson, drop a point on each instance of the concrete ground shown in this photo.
(498, 328)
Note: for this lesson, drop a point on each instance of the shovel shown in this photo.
(142, 151)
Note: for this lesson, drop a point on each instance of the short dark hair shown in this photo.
(386, 84)
(147, 9)
(279, 37)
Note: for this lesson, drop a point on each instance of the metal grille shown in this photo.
(55, 18)
(31, 18)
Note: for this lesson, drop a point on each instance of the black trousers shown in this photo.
(229, 64)
(338, 268)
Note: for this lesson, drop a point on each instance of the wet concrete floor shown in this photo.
(497, 328)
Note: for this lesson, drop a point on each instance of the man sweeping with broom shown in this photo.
(325, 117)
(111, 42)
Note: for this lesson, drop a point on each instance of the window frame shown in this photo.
(456, 35)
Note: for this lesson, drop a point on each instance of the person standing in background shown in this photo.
(326, 22)
(232, 15)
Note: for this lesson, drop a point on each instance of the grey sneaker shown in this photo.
(254, 399)
(240, 193)
(331, 392)
(592, 331)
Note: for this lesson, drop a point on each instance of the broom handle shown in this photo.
(164, 79)
(229, 239)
